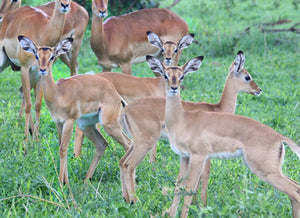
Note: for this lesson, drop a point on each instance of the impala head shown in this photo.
(170, 49)
(63, 5)
(174, 74)
(45, 55)
(243, 79)
(99, 7)
(8, 5)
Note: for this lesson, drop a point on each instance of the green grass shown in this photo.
(29, 184)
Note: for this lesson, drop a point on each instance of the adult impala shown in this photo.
(45, 30)
(219, 135)
(131, 88)
(87, 99)
(121, 41)
(145, 122)
(76, 22)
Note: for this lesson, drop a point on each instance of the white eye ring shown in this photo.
(247, 78)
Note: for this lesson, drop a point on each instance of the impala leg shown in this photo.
(285, 185)
(109, 117)
(38, 106)
(181, 180)
(27, 99)
(66, 133)
(204, 183)
(100, 143)
(130, 161)
(79, 135)
(196, 168)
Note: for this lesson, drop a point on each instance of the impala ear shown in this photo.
(154, 39)
(192, 65)
(186, 41)
(239, 62)
(28, 45)
(155, 64)
(63, 46)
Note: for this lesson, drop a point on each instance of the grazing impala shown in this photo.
(145, 122)
(131, 88)
(197, 136)
(122, 40)
(45, 30)
(89, 99)
(76, 22)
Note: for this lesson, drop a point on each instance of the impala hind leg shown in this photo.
(100, 143)
(285, 185)
(109, 117)
(79, 136)
(128, 164)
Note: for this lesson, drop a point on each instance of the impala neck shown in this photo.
(97, 34)
(173, 111)
(56, 26)
(49, 87)
(228, 99)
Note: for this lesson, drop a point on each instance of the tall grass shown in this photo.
(29, 184)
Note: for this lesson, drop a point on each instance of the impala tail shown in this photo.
(293, 145)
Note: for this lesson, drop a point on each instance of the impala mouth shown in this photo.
(64, 8)
(257, 93)
(168, 62)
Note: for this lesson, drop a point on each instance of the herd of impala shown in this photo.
(136, 118)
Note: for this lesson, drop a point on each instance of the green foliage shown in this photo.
(29, 183)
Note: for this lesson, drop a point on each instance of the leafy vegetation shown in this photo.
(29, 183)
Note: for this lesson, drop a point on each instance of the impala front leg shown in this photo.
(195, 171)
(27, 99)
(67, 129)
(183, 172)
(38, 105)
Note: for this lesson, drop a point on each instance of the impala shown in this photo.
(44, 30)
(131, 88)
(87, 99)
(145, 122)
(170, 49)
(76, 22)
(197, 136)
(121, 41)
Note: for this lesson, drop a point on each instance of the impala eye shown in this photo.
(165, 76)
(247, 78)
(52, 58)
(163, 50)
(176, 50)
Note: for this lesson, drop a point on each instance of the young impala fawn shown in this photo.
(197, 136)
(87, 99)
(148, 127)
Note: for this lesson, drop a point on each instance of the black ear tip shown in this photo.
(192, 35)
(240, 52)
(20, 37)
(70, 39)
(201, 58)
(148, 32)
(148, 57)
